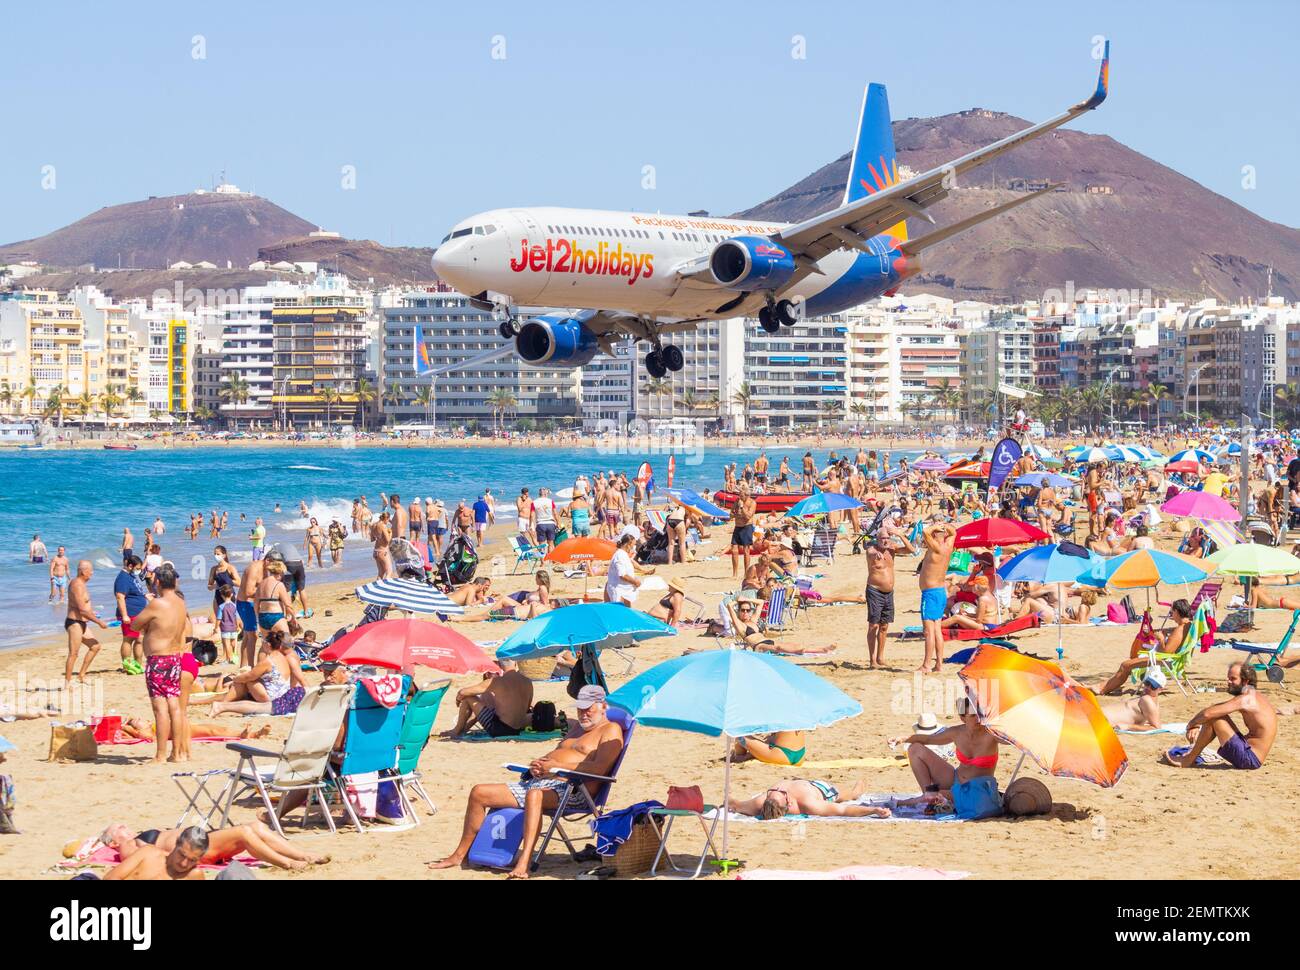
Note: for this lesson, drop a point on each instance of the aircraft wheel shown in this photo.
(787, 313)
(508, 330)
(767, 321)
(672, 357)
(654, 365)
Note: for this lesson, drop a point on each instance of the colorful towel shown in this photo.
(1163, 729)
(907, 813)
(106, 856)
(856, 872)
(856, 763)
(528, 735)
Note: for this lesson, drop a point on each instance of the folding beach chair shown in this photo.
(823, 544)
(497, 843)
(779, 617)
(1174, 664)
(416, 729)
(298, 766)
(525, 552)
(1273, 653)
(370, 746)
(1208, 593)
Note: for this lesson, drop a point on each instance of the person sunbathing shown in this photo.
(1262, 599)
(1182, 614)
(1245, 750)
(498, 703)
(971, 787)
(779, 748)
(980, 615)
(799, 797)
(1082, 613)
(144, 729)
(744, 621)
(592, 747)
(149, 862)
(1142, 711)
(671, 608)
(255, 838)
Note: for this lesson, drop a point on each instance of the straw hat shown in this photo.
(1027, 796)
(926, 722)
(677, 585)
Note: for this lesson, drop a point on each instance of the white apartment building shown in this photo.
(899, 356)
(798, 376)
(714, 354)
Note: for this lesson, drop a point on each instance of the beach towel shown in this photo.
(906, 813)
(1206, 759)
(99, 855)
(385, 689)
(119, 738)
(856, 872)
(853, 763)
(1163, 729)
(526, 735)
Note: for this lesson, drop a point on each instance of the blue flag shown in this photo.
(1005, 455)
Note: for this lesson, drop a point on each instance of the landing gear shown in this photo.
(767, 320)
(509, 329)
(787, 313)
(661, 360)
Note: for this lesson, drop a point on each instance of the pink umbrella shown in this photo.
(400, 644)
(1201, 505)
(931, 465)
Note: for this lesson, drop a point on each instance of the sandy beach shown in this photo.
(1158, 822)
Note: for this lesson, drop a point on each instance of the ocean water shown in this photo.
(82, 499)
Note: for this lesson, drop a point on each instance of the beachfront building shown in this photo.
(48, 336)
(798, 376)
(248, 355)
(704, 392)
(609, 389)
(320, 353)
(901, 355)
(119, 351)
(500, 393)
(1001, 352)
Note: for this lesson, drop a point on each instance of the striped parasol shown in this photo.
(1224, 534)
(409, 595)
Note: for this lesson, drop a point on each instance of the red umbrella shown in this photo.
(989, 532)
(400, 644)
(1187, 467)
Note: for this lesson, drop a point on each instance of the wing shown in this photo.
(854, 224)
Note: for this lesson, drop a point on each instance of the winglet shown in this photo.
(1103, 82)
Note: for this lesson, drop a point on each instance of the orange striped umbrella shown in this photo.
(1035, 706)
(582, 549)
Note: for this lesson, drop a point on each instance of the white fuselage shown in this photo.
(602, 260)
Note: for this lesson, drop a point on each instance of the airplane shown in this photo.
(645, 276)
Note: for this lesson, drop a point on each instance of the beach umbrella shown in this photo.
(582, 549)
(991, 531)
(1233, 449)
(1145, 569)
(1036, 480)
(697, 503)
(1086, 453)
(1148, 454)
(1034, 706)
(1253, 559)
(1223, 534)
(732, 693)
(1124, 453)
(930, 464)
(823, 502)
(1193, 455)
(410, 595)
(1058, 563)
(1201, 505)
(401, 644)
(598, 625)
(1041, 453)
(1183, 467)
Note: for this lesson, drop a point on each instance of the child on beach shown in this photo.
(229, 625)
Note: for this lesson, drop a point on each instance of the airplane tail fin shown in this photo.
(874, 167)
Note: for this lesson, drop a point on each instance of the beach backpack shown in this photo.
(459, 562)
(543, 717)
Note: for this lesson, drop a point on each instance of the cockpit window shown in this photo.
(489, 229)
(461, 232)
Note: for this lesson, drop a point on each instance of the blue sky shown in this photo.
(589, 93)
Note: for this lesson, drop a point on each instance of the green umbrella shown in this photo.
(1252, 559)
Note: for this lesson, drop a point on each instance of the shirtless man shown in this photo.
(256, 838)
(592, 747)
(128, 544)
(36, 551)
(381, 535)
(401, 524)
(986, 609)
(499, 703)
(742, 529)
(164, 624)
(151, 863)
(58, 575)
(81, 613)
(809, 471)
(799, 797)
(880, 591)
(1243, 750)
(938, 538)
(1141, 712)
(760, 467)
(245, 605)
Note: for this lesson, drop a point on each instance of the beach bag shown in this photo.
(637, 853)
(388, 805)
(543, 717)
(70, 742)
(106, 728)
(205, 652)
(362, 791)
(689, 799)
(1115, 613)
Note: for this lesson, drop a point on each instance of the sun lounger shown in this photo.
(1273, 653)
(420, 715)
(370, 746)
(1017, 625)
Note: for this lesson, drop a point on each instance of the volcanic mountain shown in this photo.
(1121, 220)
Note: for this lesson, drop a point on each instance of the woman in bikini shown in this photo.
(744, 620)
(779, 748)
(315, 542)
(274, 607)
(970, 788)
(274, 685)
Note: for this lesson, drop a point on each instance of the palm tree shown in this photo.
(713, 403)
(501, 400)
(424, 397)
(109, 401)
(331, 397)
(29, 392)
(7, 395)
(832, 410)
(86, 405)
(134, 395)
(860, 411)
(948, 397)
(393, 396)
(365, 393)
(659, 387)
(203, 413)
(687, 399)
(1155, 394)
(1288, 396)
(56, 404)
(234, 391)
(1069, 400)
(744, 397)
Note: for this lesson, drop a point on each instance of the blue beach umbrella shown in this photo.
(1143, 569)
(1125, 453)
(733, 693)
(1192, 454)
(1084, 453)
(823, 502)
(698, 502)
(408, 594)
(596, 625)
(1058, 563)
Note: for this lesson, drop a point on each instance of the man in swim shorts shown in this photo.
(164, 624)
(938, 537)
(1245, 750)
(812, 797)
